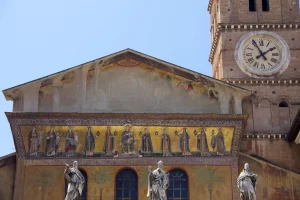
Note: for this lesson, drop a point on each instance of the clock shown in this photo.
(262, 54)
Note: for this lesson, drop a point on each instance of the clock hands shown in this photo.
(261, 53)
(264, 53)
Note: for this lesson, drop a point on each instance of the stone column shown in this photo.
(31, 97)
(238, 105)
(19, 179)
(82, 90)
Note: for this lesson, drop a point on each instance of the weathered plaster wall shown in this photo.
(277, 151)
(7, 178)
(273, 183)
(47, 182)
(118, 89)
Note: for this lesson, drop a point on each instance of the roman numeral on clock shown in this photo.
(261, 42)
(262, 66)
(250, 60)
(273, 60)
(255, 64)
(249, 54)
(275, 54)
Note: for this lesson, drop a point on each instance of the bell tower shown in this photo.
(256, 45)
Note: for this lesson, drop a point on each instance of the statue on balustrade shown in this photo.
(109, 141)
(246, 183)
(146, 141)
(89, 144)
(75, 181)
(202, 143)
(71, 142)
(158, 183)
(127, 141)
(52, 142)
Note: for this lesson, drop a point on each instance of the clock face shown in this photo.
(262, 54)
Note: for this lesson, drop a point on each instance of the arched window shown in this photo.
(126, 185)
(252, 5)
(83, 195)
(265, 5)
(283, 104)
(178, 189)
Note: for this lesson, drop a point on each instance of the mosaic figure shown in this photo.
(89, 143)
(146, 141)
(109, 141)
(213, 140)
(71, 142)
(158, 183)
(246, 183)
(57, 141)
(220, 143)
(165, 146)
(202, 143)
(127, 141)
(51, 146)
(33, 142)
(184, 143)
(75, 181)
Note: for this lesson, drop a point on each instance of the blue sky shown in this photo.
(38, 38)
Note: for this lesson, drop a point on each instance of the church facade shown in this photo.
(121, 113)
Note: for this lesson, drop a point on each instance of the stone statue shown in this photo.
(51, 143)
(158, 183)
(146, 141)
(89, 143)
(202, 143)
(108, 141)
(246, 182)
(70, 142)
(75, 181)
(127, 141)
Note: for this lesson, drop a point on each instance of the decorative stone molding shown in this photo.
(241, 27)
(276, 136)
(262, 81)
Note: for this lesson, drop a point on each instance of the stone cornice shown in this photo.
(210, 5)
(274, 136)
(262, 81)
(241, 27)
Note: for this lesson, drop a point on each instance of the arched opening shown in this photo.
(265, 5)
(252, 5)
(84, 191)
(283, 104)
(178, 188)
(126, 185)
(284, 116)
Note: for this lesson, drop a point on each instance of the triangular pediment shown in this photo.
(127, 81)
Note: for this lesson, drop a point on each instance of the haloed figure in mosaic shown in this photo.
(51, 143)
(165, 143)
(146, 141)
(158, 183)
(109, 141)
(184, 143)
(75, 181)
(246, 182)
(71, 142)
(34, 142)
(127, 140)
(202, 143)
(220, 143)
(89, 143)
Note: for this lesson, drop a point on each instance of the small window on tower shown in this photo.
(265, 5)
(252, 5)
